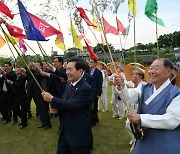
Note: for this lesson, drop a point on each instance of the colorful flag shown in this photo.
(31, 31)
(4, 9)
(45, 28)
(120, 27)
(151, 10)
(132, 6)
(108, 28)
(76, 40)
(59, 42)
(97, 28)
(2, 41)
(10, 39)
(84, 16)
(15, 31)
(127, 30)
(91, 52)
(22, 45)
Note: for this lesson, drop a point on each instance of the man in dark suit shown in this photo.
(7, 92)
(20, 97)
(75, 129)
(98, 79)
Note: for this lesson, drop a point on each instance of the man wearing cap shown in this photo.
(138, 76)
(158, 112)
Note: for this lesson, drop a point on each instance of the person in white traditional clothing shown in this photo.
(137, 79)
(118, 107)
(158, 111)
(103, 97)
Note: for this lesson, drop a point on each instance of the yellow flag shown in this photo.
(132, 6)
(59, 43)
(11, 39)
(2, 41)
(76, 38)
(96, 24)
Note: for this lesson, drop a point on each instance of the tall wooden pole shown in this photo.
(157, 44)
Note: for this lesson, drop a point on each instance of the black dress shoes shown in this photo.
(23, 126)
(15, 122)
(47, 127)
(7, 121)
(29, 116)
(41, 126)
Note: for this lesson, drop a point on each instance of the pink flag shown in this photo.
(4, 9)
(108, 28)
(120, 27)
(22, 45)
(45, 28)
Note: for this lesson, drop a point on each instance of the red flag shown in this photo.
(45, 28)
(108, 28)
(15, 31)
(84, 16)
(120, 27)
(91, 52)
(4, 9)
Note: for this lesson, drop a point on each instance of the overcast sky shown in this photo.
(168, 11)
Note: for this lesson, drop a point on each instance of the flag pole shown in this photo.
(110, 53)
(134, 21)
(122, 92)
(99, 43)
(30, 48)
(121, 55)
(157, 44)
(22, 59)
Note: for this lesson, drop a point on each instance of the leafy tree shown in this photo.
(3, 60)
(101, 48)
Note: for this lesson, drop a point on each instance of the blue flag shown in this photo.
(31, 31)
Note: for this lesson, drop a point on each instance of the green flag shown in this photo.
(127, 30)
(150, 10)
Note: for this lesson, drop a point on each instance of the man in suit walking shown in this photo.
(98, 79)
(75, 129)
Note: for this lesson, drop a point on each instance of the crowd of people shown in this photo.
(72, 91)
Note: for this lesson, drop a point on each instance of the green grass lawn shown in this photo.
(110, 136)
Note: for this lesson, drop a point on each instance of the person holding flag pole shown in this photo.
(138, 133)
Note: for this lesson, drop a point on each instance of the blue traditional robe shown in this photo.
(158, 141)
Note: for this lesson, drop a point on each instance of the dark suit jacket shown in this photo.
(56, 87)
(19, 87)
(90, 80)
(75, 118)
(10, 76)
(98, 79)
